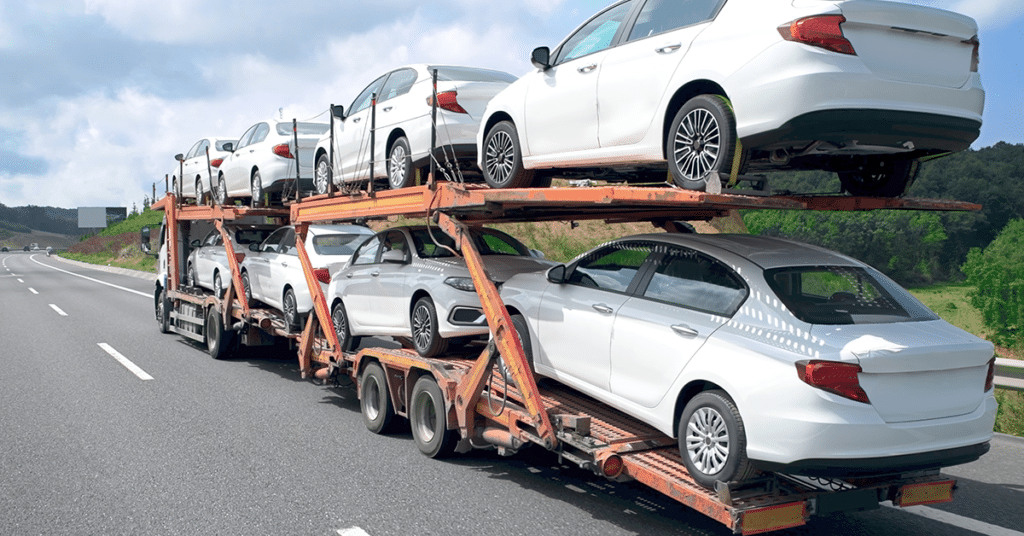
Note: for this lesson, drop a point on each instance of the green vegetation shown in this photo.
(135, 223)
(952, 302)
(141, 262)
(997, 276)
(1010, 415)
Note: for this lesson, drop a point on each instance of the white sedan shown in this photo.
(208, 266)
(262, 163)
(272, 273)
(859, 87)
(197, 170)
(402, 143)
(758, 353)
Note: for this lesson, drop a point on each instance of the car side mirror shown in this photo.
(557, 274)
(179, 157)
(537, 254)
(395, 256)
(541, 58)
(338, 111)
(229, 147)
(254, 247)
(195, 243)
(144, 239)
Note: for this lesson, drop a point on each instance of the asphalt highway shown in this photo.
(109, 427)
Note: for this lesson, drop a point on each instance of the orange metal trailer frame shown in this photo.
(577, 428)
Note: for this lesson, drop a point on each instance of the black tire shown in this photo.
(256, 190)
(339, 317)
(374, 400)
(218, 339)
(218, 285)
(428, 419)
(291, 311)
(323, 175)
(400, 170)
(701, 142)
(523, 332)
(503, 158)
(246, 289)
(190, 278)
(163, 311)
(879, 177)
(221, 192)
(425, 338)
(200, 194)
(711, 419)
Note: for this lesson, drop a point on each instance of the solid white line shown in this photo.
(967, 523)
(94, 280)
(55, 308)
(32, 290)
(352, 531)
(124, 361)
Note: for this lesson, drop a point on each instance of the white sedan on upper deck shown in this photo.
(196, 169)
(865, 88)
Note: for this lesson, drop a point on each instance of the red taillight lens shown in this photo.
(447, 100)
(837, 378)
(322, 275)
(283, 151)
(975, 55)
(216, 162)
(819, 31)
(990, 376)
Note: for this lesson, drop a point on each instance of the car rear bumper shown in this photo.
(862, 467)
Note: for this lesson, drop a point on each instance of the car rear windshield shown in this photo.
(487, 242)
(844, 295)
(305, 129)
(337, 243)
(252, 236)
(466, 74)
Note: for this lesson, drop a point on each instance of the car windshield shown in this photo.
(337, 243)
(487, 242)
(844, 295)
(466, 74)
(304, 129)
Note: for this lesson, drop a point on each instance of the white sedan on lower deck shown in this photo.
(760, 354)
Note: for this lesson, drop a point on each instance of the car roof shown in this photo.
(765, 251)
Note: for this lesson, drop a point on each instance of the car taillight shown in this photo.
(975, 56)
(990, 376)
(322, 275)
(447, 100)
(819, 31)
(216, 162)
(834, 377)
(283, 151)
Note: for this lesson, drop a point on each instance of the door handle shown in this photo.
(588, 68)
(374, 274)
(284, 264)
(668, 49)
(684, 330)
(358, 119)
(348, 276)
(602, 308)
(388, 109)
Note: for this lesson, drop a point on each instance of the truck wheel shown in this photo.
(340, 319)
(425, 338)
(400, 171)
(291, 311)
(503, 158)
(701, 141)
(712, 440)
(218, 339)
(374, 399)
(428, 419)
(163, 311)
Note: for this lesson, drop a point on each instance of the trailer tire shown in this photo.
(425, 337)
(218, 339)
(503, 158)
(163, 311)
(375, 399)
(428, 419)
(400, 170)
(701, 142)
(711, 423)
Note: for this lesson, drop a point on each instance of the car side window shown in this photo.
(693, 280)
(398, 84)
(244, 140)
(287, 245)
(272, 241)
(612, 267)
(202, 148)
(261, 133)
(367, 253)
(194, 150)
(595, 35)
(362, 102)
(211, 239)
(660, 16)
(395, 241)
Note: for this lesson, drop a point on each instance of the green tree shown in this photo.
(997, 275)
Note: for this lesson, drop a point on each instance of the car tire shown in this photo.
(503, 158)
(701, 142)
(257, 190)
(879, 177)
(218, 339)
(200, 194)
(425, 337)
(428, 418)
(400, 171)
(323, 176)
(339, 317)
(523, 332)
(220, 193)
(375, 400)
(190, 278)
(291, 310)
(246, 289)
(218, 285)
(712, 440)
(163, 311)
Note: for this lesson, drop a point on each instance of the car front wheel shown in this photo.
(257, 189)
(221, 191)
(400, 172)
(712, 440)
(503, 158)
(425, 337)
(323, 176)
(701, 142)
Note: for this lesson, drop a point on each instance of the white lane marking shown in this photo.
(55, 308)
(576, 489)
(967, 523)
(94, 280)
(124, 361)
(21, 280)
(352, 531)
(32, 290)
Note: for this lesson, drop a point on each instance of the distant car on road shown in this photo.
(27, 248)
(196, 170)
(4, 249)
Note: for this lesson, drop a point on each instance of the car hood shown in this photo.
(499, 267)
(905, 346)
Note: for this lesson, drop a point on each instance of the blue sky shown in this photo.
(98, 95)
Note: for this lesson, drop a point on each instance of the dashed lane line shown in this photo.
(125, 361)
(32, 290)
(21, 280)
(55, 308)
(352, 531)
(966, 523)
(93, 280)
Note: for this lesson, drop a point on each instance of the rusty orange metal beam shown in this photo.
(321, 312)
(850, 203)
(236, 271)
(173, 251)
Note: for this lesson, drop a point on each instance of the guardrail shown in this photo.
(1009, 374)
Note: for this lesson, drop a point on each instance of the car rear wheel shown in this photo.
(503, 158)
(523, 333)
(425, 337)
(257, 190)
(323, 176)
(291, 311)
(221, 191)
(218, 286)
(247, 288)
(374, 400)
(200, 195)
(879, 177)
(400, 171)
(701, 142)
(428, 419)
(340, 319)
(712, 440)
(191, 278)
